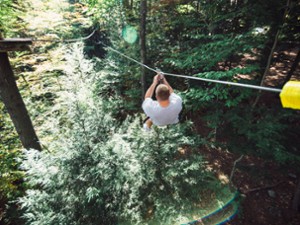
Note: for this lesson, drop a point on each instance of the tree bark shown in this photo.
(143, 50)
(270, 57)
(10, 95)
(267, 66)
(272, 52)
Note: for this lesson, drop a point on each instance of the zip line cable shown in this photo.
(287, 95)
(158, 71)
(66, 40)
(197, 78)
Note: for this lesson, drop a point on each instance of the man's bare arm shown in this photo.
(164, 81)
(150, 91)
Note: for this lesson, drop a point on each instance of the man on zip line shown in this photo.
(166, 109)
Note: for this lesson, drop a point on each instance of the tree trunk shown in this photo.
(293, 68)
(131, 4)
(272, 52)
(270, 57)
(276, 25)
(10, 95)
(126, 4)
(143, 44)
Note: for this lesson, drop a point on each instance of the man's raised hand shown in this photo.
(161, 77)
(156, 79)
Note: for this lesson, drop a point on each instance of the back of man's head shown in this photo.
(162, 92)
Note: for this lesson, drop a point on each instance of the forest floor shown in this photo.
(270, 204)
(267, 188)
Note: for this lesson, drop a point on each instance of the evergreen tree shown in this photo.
(99, 172)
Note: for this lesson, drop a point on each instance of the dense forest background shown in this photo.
(97, 166)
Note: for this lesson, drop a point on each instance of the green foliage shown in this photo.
(292, 23)
(9, 150)
(202, 94)
(11, 178)
(9, 10)
(115, 84)
(9, 174)
(171, 181)
(6, 12)
(101, 168)
(122, 76)
(216, 40)
(99, 172)
(107, 14)
(116, 181)
(204, 52)
(261, 131)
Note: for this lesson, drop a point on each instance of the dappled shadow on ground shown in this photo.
(282, 62)
(267, 187)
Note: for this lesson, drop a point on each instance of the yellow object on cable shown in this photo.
(290, 95)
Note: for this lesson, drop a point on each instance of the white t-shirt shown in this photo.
(162, 116)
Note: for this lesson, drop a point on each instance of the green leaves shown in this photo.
(9, 151)
(103, 171)
(9, 13)
(260, 131)
(204, 52)
(204, 94)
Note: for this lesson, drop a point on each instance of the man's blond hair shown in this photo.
(162, 92)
